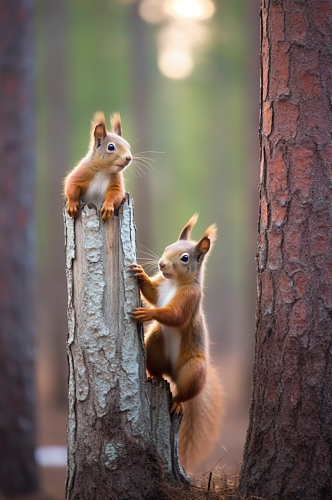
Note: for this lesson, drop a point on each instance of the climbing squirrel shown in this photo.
(177, 342)
(98, 176)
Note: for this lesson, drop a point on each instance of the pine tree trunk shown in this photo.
(118, 427)
(289, 443)
(18, 471)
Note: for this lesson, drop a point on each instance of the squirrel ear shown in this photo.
(98, 128)
(186, 231)
(206, 241)
(116, 126)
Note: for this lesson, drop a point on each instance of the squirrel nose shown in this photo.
(128, 157)
(161, 264)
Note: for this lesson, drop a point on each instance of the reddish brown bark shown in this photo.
(289, 443)
(17, 395)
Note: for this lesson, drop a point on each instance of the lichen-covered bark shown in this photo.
(18, 471)
(114, 444)
(289, 443)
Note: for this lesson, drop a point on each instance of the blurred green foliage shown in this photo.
(200, 122)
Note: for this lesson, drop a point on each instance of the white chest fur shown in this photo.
(172, 336)
(96, 191)
(166, 292)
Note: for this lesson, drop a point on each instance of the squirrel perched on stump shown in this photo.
(177, 342)
(98, 176)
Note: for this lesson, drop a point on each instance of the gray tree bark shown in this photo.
(119, 426)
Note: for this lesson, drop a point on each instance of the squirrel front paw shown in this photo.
(138, 272)
(72, 208)
(142, 314)
(107, 210)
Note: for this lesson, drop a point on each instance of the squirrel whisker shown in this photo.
(143, 163)
(151, 267)
(136, 170)
(140, 138)
(138, 167)
(150, 252)
(139, 155)
(144, 159)
(147, 259)
(157, 152)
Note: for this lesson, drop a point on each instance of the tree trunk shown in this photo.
(289, 443)
(18, 472)
(118, 435)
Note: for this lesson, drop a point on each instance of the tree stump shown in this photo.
(121, 441)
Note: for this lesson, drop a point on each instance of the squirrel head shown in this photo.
(184, 259)
(109, 150)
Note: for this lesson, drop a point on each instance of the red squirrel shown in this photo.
(177, 342)
(98, 176)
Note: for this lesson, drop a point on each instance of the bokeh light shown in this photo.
(191, 9)
(152, 11)
(182, 35)
(181, 32)
(175, 63)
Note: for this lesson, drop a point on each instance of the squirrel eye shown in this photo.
(111, 146)
(185, 257)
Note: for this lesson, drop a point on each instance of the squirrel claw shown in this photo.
(72, 208)
(134, 267)
(177, 408)
(106, 211)
(142, 314)
(138, 272)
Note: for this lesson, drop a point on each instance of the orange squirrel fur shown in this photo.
(98, 176)
(177, 342)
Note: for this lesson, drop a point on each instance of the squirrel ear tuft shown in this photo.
(207, 240)
(211, 233)
(116, 126)
(98, 128)
(186, 231)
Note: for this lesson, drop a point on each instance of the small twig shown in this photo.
(209, 483)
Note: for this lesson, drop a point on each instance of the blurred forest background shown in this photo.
(184, 74)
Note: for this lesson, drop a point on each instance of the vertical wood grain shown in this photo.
(289, 443)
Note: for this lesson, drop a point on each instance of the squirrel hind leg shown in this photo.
(190, 379)
(156, 362)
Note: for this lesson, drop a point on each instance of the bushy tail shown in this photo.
(199, 429)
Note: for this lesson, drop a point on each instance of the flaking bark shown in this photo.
(119, 427)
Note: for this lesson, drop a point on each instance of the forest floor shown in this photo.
(52, 431)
